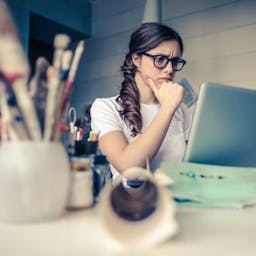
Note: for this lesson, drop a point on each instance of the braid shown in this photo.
(129, 98)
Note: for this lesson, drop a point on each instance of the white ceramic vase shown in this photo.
(34, 181)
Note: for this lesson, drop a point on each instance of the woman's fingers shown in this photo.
(169, 93)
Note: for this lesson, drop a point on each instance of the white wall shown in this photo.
(219, 38)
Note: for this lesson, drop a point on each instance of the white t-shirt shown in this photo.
(106, 118)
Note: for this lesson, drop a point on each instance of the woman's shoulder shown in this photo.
(105, 115)
(105, 105)
(107, 102)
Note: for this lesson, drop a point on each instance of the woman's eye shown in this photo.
(160, 59)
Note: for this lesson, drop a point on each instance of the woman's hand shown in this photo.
(169, 94)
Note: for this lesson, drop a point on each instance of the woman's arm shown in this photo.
(121, 154)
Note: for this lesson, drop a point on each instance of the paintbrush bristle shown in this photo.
(41, 63)
(61, 41)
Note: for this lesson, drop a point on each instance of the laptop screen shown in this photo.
(223, 131)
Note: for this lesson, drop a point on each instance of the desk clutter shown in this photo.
(90, 172)
(89, 168)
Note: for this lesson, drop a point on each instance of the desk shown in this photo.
(203, 232)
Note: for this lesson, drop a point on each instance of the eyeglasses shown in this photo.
(161, 61)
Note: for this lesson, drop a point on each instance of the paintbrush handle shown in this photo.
(12, 113)
(51, 105)
(13, 62)
(27, 108)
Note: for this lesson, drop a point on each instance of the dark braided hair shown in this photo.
(146, 37)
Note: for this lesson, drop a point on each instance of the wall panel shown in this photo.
(219, 37)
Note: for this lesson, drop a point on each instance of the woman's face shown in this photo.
(145, 64)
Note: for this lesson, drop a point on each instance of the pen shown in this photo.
(93, 136)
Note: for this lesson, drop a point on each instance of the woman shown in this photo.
(147, 120)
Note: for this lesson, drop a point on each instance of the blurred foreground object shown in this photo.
(136, 210)
(34, 186)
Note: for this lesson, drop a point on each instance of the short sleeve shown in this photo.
(105, 116)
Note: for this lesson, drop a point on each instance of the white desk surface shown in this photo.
(201, 232)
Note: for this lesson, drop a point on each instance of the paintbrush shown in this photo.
(64, 70)
(38, 89)
(11, 113)
(12, 68)
(3, 122)
(54, 81)
(72, 72)
(65, 64)
(61, 42)
(41, 66)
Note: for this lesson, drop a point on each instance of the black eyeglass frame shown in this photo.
(172, 60)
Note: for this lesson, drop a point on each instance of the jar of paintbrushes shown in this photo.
(34, 167)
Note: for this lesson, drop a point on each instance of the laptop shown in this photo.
(223, 131)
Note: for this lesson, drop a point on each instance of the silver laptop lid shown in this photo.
(223, 131)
